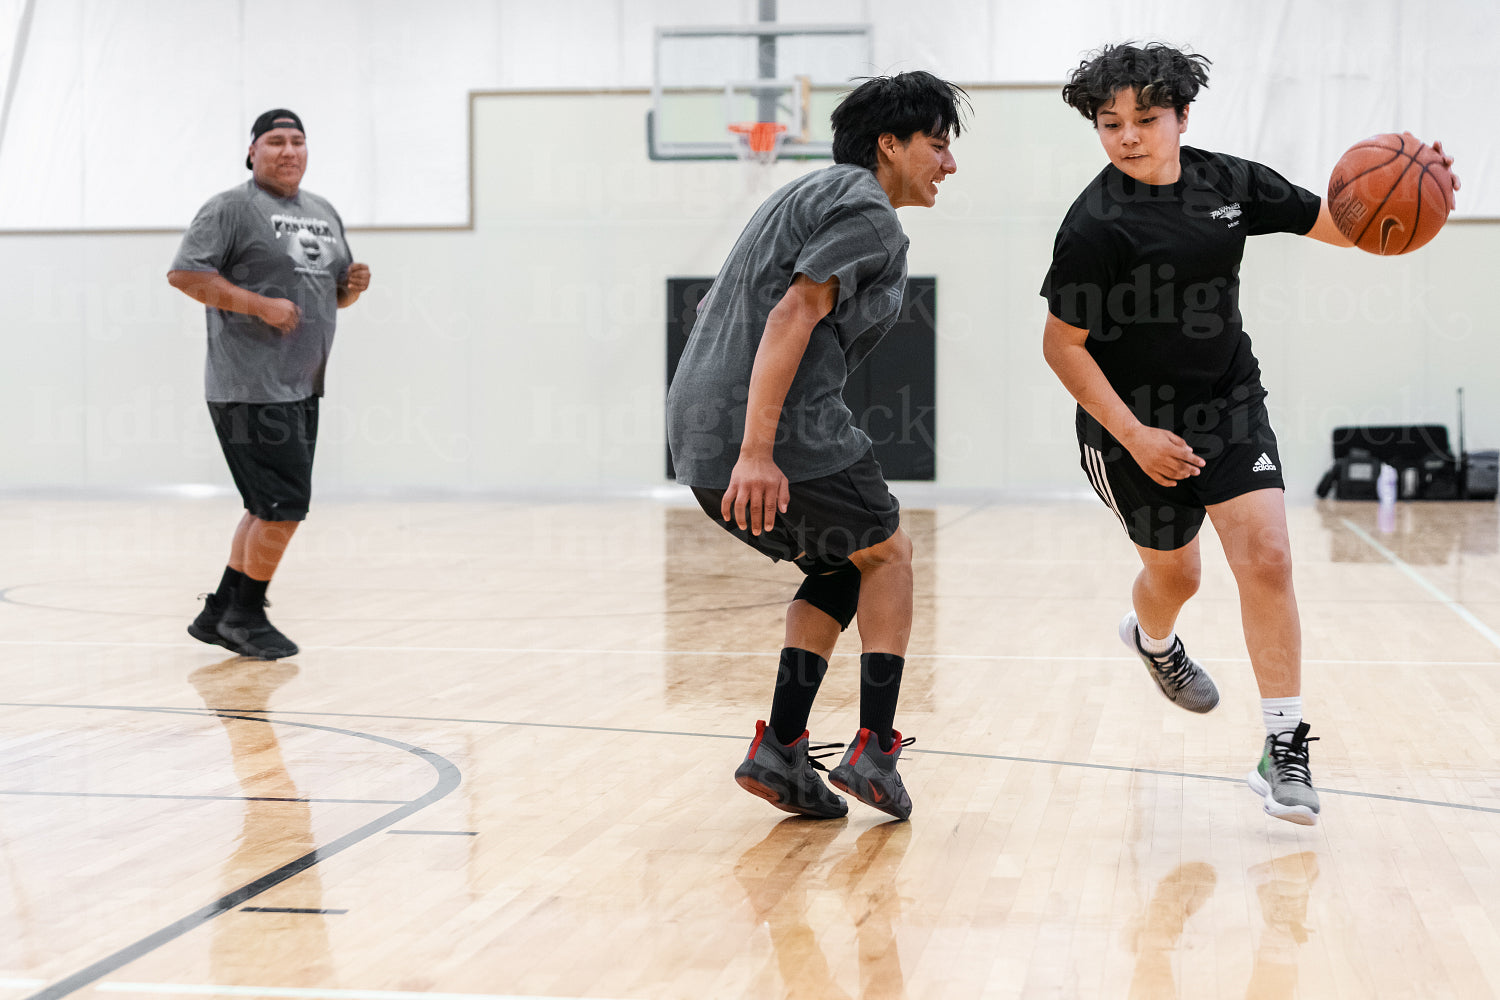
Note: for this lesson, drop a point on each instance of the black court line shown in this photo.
(5, 598)
(448, 778)
(1200, 777)
(435, 833)
(285, 909)
(913, 750)
(206, 798)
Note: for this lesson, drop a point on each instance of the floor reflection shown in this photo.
(276, 829)
(866, 878)
(1283, 886)
(1159, 929)
(1422, 533)
(779, 875)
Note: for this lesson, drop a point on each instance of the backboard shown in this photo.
(708, 77)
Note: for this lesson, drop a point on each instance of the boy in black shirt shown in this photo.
(1144, 331)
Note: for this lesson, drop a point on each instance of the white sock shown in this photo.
(1281, 715)
(1157, 646)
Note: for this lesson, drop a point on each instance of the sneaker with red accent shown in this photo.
(869, 774)
(785, 776)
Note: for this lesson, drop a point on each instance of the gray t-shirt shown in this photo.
(283, 248)
(836, 221)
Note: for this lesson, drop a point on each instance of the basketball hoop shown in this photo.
(758, 142)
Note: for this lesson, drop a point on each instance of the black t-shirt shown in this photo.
(1152, 272)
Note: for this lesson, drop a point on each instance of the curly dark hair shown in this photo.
(903, 105)
(1163, 77)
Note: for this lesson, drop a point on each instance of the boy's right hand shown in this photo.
(757, 490)
(1162, 455)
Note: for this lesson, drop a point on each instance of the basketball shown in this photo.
(1390, 193)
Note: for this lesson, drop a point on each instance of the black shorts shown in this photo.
(269, 448)
(1241, 456)
(826, 520)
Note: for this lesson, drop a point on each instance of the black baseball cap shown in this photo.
(275, 118)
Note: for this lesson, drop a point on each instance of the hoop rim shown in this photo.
(761, 137)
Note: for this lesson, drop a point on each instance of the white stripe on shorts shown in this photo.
(1100, 480)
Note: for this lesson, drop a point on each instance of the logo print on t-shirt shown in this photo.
(1229, 213)
(308, 241)
(1263, 464)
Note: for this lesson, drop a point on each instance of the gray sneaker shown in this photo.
(869, 774)
(1177, 674)
(785, 777)
(1283, 778)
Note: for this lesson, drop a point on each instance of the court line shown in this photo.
(1425, 584)
(293, 993)
(435, 833)
(741, 737)
(288, 909)
(556, 651)
(1322, 790)
(448, 778)
(206, 798)
(5, 598)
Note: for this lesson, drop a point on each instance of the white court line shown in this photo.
(555, 651)
(175, 989)
(1421, 581)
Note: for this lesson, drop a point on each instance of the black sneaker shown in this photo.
(869, 773)
(250, 633)
(785, 777)
(205, 627)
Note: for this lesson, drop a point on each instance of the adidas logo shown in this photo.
(1263, 464)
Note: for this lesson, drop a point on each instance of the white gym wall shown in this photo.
(526, 352)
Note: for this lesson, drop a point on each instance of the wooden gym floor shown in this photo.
(501, 766)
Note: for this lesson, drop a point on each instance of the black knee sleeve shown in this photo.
(836, 594)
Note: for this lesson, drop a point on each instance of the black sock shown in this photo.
(879, 689)
(228, 584)
(797, 680)
(250, 594)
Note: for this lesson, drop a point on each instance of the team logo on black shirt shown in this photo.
(1229, 213)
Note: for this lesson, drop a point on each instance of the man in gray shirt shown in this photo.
(271, 264)
(758, 428)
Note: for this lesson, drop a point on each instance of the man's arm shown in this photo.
(756, 483)
(217, 292)
(1163, 456)
(355, 281)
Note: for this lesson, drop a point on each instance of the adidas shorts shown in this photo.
(826, 520)
(1240, 451)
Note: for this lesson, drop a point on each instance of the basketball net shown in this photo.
(757, 144)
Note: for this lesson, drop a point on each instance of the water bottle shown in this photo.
(1385, 484)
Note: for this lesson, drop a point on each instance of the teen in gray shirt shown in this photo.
(758, 427)
(835, 223)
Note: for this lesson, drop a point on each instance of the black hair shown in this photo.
(1162, 76)
(902, 105)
